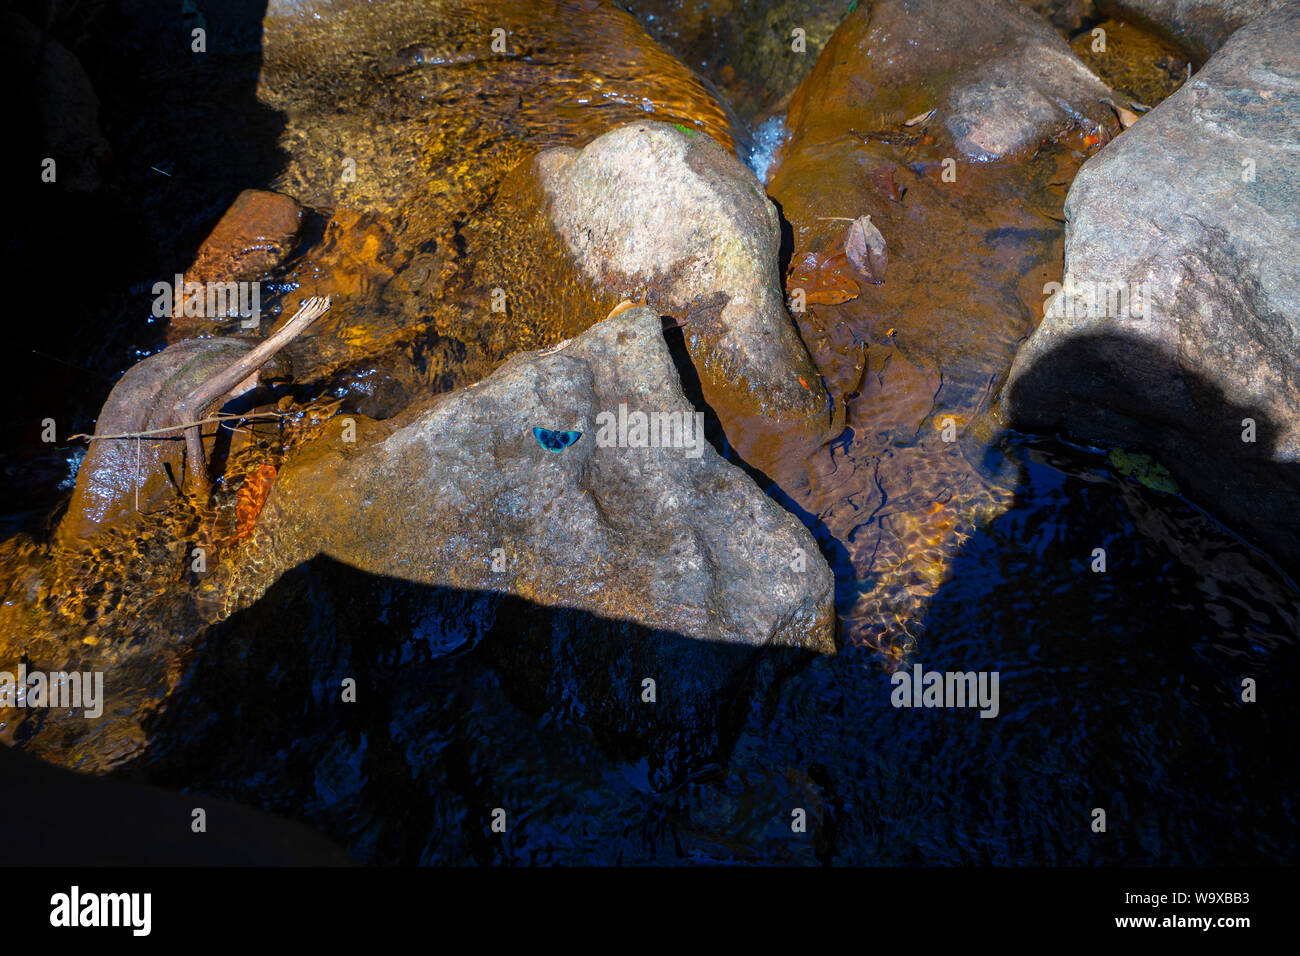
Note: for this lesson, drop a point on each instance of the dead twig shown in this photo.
(221, 383)
(210, 420)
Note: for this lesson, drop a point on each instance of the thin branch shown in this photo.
(221, 383)
(211, 420)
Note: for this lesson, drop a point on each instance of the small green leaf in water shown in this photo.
(688, 132)
(1144, 469)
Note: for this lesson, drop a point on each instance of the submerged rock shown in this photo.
(972, 232)
(1201, 26)
(991, 116)
(651, 209)
(254, 237)
(1178, 319)
(918, 115)
(749, 50)
(999, 78)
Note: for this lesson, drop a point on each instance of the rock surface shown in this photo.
(1197, 203)
(143, 399)
(671, 538)
(631, 563)
(999, 77)
(991, 117)
(254, 237)
(650, 208)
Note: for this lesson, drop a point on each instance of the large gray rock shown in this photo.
(672, 538)
(1201, 26)
(632, 563)
(1193, 214)
(651, 208)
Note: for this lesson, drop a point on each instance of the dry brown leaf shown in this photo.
(1126, 117)
(865, 249)
(883, 179)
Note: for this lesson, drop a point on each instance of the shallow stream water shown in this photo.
(1118, 689)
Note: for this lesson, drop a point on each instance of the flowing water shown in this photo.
(1118, 690)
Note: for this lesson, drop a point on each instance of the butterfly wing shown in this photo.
(553, 440)
(547, 439)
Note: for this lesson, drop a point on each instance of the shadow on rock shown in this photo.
(1118, 389)
(1120, 689)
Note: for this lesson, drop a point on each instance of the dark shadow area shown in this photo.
(1112, 389)
(1120, 689)
(786, 250)
(54, 817)
(464, 702)
(151, 142)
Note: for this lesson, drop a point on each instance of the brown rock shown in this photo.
(251, 240)
(1201, 26)
(116, 470)
(1000, 79)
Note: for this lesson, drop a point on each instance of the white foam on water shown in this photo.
(771, 133)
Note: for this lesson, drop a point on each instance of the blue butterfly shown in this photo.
(555, 441)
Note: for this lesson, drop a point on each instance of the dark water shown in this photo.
(1118, 690)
